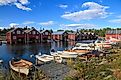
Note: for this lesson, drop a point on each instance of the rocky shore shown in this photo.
(55, 71)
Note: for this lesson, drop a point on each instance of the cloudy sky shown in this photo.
(60, 14)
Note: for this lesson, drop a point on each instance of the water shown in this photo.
(7, 52)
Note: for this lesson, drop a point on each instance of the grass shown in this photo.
(105, 68)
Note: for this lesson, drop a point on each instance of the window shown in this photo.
(22, 32)
(46, 33)
(14, 37)
(13, 32)
(18, 32)
(33, 32)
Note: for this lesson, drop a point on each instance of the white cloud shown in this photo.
(115, 21)
(78, 26)
(1, 27)
(6, 2)
(18, 3)
(28, 22)
(63, 6)
(49, 23)
(24, 1)
(20, 6)
(13, 24)
(94, 11)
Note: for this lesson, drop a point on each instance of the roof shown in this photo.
(71, 32)
(13, 30)
(44, 31)
(26, 31)
(113, 31)
(58, 33)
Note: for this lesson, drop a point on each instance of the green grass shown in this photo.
(106, 68)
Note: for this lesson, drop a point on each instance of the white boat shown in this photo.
(1, 61)
(67, 54)
(44, 58)
(21, 66)
(53, 52)
(83, 46)
(100, 44)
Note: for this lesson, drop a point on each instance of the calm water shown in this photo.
(7, 52)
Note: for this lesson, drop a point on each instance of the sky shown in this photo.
(60, 14)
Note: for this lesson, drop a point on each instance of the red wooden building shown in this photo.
(69, 36)
(45, 35)
(115, 34)
(58, 36)
(32, 36)
(17, 35)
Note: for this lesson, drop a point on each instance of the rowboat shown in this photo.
(67, 54)
(83, 46)
(21, 66)
(44, 58)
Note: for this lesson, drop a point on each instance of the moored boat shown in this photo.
(44, 58)
(21, 66)
(67, 54)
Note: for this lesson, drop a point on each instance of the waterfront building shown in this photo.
(69, 36)
(86, 36)
(58, 36)
(113, 34)
(32, 36)
(45, 35)
(17, 35)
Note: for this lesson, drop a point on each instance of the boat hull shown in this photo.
(19, 69)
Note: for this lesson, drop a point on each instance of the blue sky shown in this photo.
(60, 14)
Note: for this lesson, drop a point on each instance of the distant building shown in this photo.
(32, 36)
(86, 36)
(58, 36)
(69, 36)
(17, 35)
(115, 34)
(45, 35)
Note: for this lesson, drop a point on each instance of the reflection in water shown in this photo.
(7, 52)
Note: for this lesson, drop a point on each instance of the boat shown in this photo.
(53, 52)
(82, 51)
(45, 58)
(67, 54)
(83, 46)
(100, 44)
(21, 66)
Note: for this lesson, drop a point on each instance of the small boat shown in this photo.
(44, 58)
(82, 51)
(67, 54)
(1, 61)
(21, 66)
(83, 46)
(53, 52)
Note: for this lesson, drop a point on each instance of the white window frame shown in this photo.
(18, 32)
(46, 33)
(14, 37)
